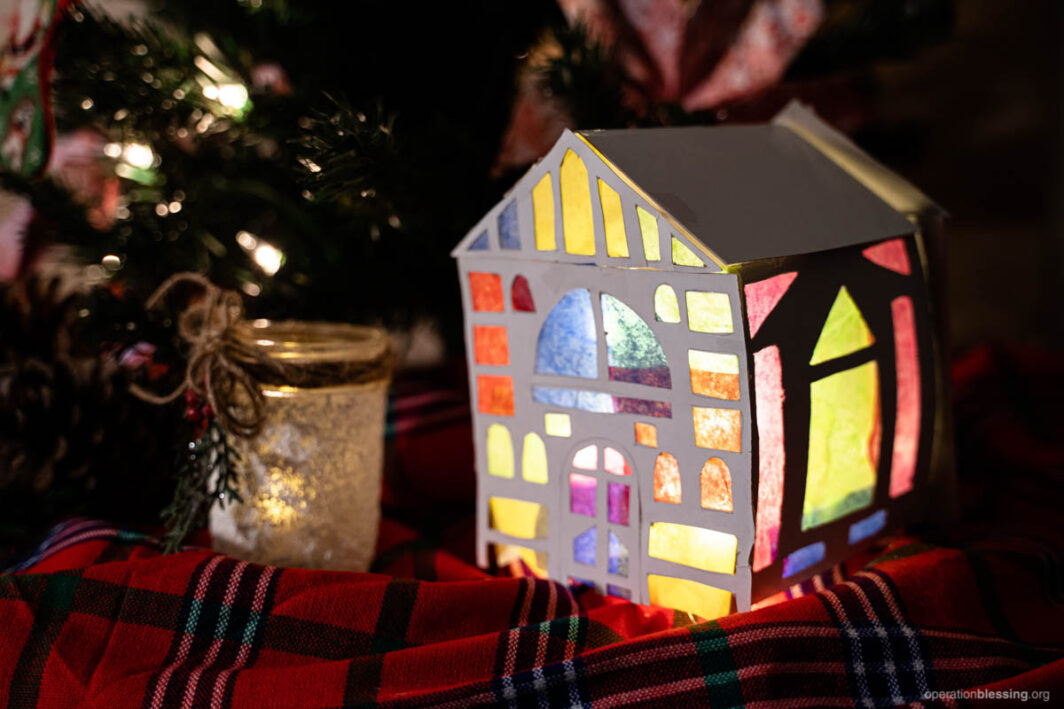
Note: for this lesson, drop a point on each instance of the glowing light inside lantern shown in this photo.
(715, 481)
(518, 518)
(714, 374)
(667, 479)
(500, 451)
(558, 425)
(768, 392)
(683, 256)
(543, 211)
(720, 429)
(907, 422)
(666, 306)
(534, 460)
(613, 219)
(579, 230)
(709, 312)
(845, 330)
(648, 225)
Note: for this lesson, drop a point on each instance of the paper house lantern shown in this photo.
(701, 360)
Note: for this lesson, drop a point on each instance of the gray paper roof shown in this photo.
(750, 192)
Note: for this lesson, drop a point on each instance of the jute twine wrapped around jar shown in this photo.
(304, 403)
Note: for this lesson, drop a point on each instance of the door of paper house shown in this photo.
(602, 506)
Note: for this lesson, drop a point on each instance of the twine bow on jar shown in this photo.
(228, 362)
(217, 360)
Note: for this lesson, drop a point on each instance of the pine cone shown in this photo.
(73, 441)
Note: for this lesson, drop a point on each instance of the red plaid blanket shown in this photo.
(97, 617)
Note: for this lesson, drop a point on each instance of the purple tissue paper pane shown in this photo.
(652, 376)
(618, 559)
(643, 407)
(618, 592)
(803, 558)
(582, 490)
(618, 499)
(584, 547)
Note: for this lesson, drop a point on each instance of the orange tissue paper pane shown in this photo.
(891, 255)
(490, 345)
(718, 428)
(769, 396)
(666, 479)
(486, 289)
(646, 434)
(714, 374)
(495, 395)
(907, 424)
(715, 481)
(762, 298)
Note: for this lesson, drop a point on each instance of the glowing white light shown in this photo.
(111, 261)
(251, 289)
(234, 96)
(112, 150)
(161, 209)
(210, 91)
(175, 207)
(87, 104)
(268, 257)
(247, 240)
(138, 155)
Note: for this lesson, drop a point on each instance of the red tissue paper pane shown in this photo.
(486, 289)
(907, 424)
(490, 345)
(769, 396)
(890, 254)
(667, 479)
(762, 297)
(521, 295)
(495, 395)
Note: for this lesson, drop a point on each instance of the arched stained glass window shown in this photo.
(633, 352)
(567, 343)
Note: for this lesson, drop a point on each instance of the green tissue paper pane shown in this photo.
(844, 332)
(844, 433)
(633, 352)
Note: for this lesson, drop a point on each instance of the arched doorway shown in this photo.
(600, 503)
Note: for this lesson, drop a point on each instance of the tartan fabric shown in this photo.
(96, 617)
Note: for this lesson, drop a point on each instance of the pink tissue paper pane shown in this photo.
(586, 458)
(615, 463)
(582, 490)
(769, 396)
(618, 503)
(907, 424)
(890, 254)
(762, 297)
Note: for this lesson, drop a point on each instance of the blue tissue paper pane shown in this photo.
(865, 528)
(803, 559)
(574, 399)
(618, 556)
(509, 233)
(480, 243)
(567, 342)
(634, 353)
(584, 546)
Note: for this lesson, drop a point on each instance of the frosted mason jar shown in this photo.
(310, 481)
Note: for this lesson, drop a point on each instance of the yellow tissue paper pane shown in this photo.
(844, 432)
(689, 596)
(844, 331)
(543, 207)
(500, 451)
(713, 362)
(648, 224)
(613, 217)
(557, 425)
(666, 306)
(709, 312)
(518, 518)
(697, 547)
(683, 256)
(576, 206)
(536, 561)
(721, 429)
(534, 460)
